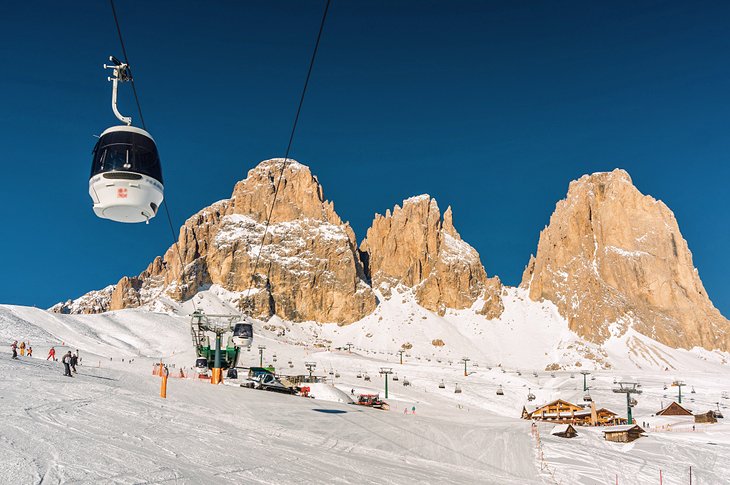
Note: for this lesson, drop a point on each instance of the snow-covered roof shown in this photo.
(621, 428)
(560, 428)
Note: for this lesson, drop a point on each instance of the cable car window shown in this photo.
(126, 151)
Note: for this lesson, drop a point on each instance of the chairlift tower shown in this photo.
(680, 385)
(400, 354)
(585, 384)
(201, 323)
(261, 355)
(349, 347)
(385, 371)
(465, 360)
(310, 367)
(628, 388)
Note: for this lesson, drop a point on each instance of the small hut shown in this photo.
(708, 417)
(674, 409)
(624, 433)
(564, 431)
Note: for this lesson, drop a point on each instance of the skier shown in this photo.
(74, 361)
(22, 349)
(30, 351)
(67, 364)
(52, 354)
(14, 346)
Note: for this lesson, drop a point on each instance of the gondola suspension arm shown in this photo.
(120, 73)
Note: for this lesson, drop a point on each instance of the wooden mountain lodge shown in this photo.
(564, 412)
(624, 433)
(674, 409)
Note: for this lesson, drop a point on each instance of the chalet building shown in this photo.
(564, 412)
(674, 409)
(708, 417)
(624, 433)
(564, 431)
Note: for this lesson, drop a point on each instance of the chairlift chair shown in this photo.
(367, 377)
(530, 395)
(457, 389)
(693, 390)
(500, 392)
(395, 377)
(587, 397)
(442, 385)
(717, 413)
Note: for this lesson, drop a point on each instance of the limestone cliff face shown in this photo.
(414, 247)
(308, 267)
(612, 257)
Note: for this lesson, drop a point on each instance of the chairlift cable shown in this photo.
(289, 145)
(144, 126)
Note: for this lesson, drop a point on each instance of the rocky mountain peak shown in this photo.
(300, 195)
(613, 257)
(308, 268)
(414, 247)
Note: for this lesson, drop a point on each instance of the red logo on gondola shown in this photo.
(121, 193)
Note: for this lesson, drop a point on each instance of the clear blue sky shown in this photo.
(491, 107)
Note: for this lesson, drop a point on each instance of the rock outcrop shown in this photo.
(414, 247)
(307, 269)
(612, 257)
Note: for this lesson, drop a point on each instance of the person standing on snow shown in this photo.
(22, 349)
(14, 346)
(74, 361)
(30, 351)
(52, 354)
(67, 364)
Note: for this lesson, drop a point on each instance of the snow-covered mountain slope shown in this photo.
(125, 333)
(528, 335)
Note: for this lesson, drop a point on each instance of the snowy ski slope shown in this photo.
(108, 424)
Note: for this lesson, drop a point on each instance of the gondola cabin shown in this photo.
(243, 334)
(201, 365)
(126, 176)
